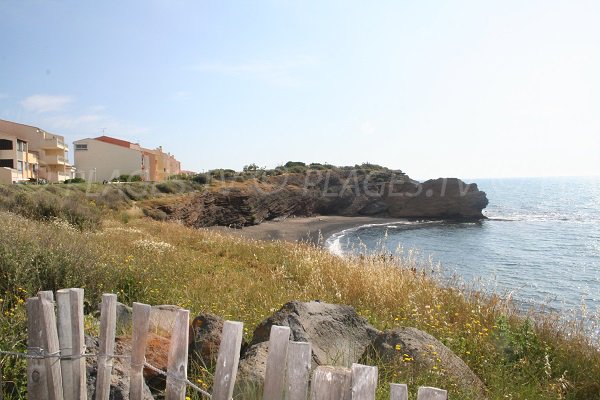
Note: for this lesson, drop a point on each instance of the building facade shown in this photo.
(30, 153)
(105, 158)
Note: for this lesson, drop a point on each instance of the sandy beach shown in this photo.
(306, 229)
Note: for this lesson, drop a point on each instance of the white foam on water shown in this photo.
(334, 242)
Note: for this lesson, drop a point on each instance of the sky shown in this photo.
(463, 88)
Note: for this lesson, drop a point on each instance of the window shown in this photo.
(7, 163)
(21, 145)
(20, 166)
(81, 147)
(6, 144)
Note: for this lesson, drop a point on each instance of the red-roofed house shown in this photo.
(105, 158)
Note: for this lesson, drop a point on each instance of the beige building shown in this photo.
(28, 152)
(105, 158)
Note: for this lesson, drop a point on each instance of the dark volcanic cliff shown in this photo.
(333, 192)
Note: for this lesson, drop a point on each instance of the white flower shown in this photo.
(151, 245)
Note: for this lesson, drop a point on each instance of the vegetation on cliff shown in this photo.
(50, 241)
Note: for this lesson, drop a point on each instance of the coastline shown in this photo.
(314, 230)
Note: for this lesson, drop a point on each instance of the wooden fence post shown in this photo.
(37, 385)
(178, 357)
(63, 302)
(141, 322)
(106, 347)
(51, 346)
(78, 344)
(279, 340)
(364, 382)
(429, 393)
(227, 360)
(331, 383)
(398, 391)
(298, 371)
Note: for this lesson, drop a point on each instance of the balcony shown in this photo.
(32, 158)
(54, 144)
(56, 160)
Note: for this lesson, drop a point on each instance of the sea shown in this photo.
(540, 244)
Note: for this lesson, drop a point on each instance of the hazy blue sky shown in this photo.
(435, 88)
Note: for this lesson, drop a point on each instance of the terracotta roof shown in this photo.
(111, 140)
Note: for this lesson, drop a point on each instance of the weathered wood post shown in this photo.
(63, 303)
(279, 340)
(398, 391)
(140, 322)
(106, 345)
(37, 385)
(51, 345)
(331, 383)
(70, 336)
(78, 342)
(298, 371)
(430, 393)
(227, 360)
(364, 382)
(178, 357)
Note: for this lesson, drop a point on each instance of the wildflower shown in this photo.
(398, 347)
(157, 246)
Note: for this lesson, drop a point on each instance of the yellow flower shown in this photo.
(398, 347)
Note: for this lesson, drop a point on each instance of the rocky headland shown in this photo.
(337, 192)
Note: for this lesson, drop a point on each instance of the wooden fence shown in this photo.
(56, 366)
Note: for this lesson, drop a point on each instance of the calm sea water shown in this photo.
(541, 242)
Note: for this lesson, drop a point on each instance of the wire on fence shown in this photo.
(39, 353)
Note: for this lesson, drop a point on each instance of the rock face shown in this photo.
(205, 339)
(338, 336)
(409, 347)
(338, 192)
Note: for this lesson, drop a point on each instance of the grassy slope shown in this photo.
(165, 263)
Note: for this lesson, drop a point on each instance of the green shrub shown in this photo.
(201, 178)
(222, 173)
(291, 164)
(75, 180)
(50, 204)
(180, 177)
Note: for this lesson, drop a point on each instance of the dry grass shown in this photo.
(239, 279)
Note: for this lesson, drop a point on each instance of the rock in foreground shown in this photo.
(408, 347)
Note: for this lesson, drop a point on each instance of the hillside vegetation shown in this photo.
(57, 237)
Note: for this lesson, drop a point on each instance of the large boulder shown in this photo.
(414, 350)
(337, 334)
(205, 339)
(251, 370)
